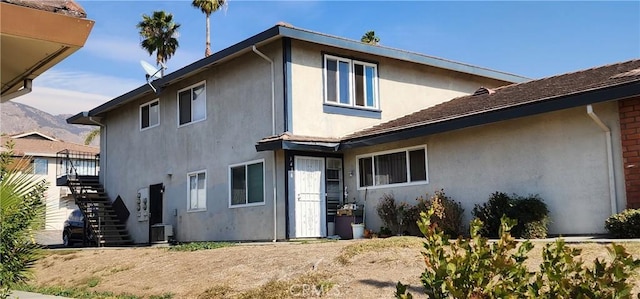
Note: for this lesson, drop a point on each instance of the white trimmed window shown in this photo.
(197, 191)
(192, 104)
(404, 166)
(40, 166)
(350, 82)
(149, 114)
(246, 184)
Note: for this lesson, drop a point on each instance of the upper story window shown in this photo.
(149, 114)
(40, 166)
(350, 82)
(404, 166)
(192, 104)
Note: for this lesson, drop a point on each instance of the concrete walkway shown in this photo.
(28, 295)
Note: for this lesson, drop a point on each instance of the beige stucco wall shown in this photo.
(560, 155)
(238, 115)
(59, 202)
(404, 88)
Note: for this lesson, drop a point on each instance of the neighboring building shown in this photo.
(35, 35)
(42, 151)
(191, 151)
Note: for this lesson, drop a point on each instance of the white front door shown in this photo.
(310, 207)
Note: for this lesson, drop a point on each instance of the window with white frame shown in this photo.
(405, 166)
(192, 104)
(350, 82)
(246, 184)
(40, 166)
(197, 191)
(149, 114)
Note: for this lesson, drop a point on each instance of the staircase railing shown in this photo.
(72, 163)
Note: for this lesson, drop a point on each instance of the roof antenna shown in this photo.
(152, 73)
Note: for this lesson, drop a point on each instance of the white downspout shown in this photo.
(273, 133)
(104, 172)
(26, 88)
(607, 132)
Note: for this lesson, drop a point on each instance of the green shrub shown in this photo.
(490, 213)
(625, 224)
(532, 215)
(447, 214)
(393, 214)
(194, 246)
(477, 268)
(530, 212)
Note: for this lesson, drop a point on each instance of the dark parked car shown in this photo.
(74, 230)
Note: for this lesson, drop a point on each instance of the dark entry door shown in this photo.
(155, 205)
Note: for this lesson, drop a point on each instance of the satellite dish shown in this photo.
(152, 72)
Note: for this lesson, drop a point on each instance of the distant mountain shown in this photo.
(19, 118)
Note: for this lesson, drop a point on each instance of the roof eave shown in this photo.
(83, 118)
(49, 37)
(399, 54)
(612, 93)
(313, 146)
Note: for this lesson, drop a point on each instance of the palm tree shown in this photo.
(208, 7)
(159, 34)
(370, 38)
(91, 136)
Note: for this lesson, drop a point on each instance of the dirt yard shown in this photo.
(342, 269)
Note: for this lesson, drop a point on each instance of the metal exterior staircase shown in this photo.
(100, 217)
(101, 220)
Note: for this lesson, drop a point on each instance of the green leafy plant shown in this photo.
(22, 209)
(474, 267)
(625, 224)
(402, 292)
(531, 213)
(447, 214)
(477, 268)
(563, 275)
(491, 212)
(385, 231)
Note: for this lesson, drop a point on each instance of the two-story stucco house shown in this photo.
(244, 144)
(44, 152)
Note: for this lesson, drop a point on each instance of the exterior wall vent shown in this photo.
(483, 90)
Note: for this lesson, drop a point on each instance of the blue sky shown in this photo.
(532, 39)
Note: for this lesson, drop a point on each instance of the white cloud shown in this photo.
(129, 51)
(58, 101)
(115, 48)
(86, 82)
(70, 92)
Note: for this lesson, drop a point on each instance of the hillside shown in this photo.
(19, 118)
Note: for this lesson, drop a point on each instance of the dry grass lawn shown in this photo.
(345, 269)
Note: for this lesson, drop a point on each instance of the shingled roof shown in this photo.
(538, 96)
(24, 145)
(64, 7)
